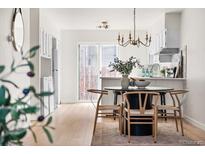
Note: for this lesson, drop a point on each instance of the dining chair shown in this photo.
(141, 115)
(103, 110)
(174, 107)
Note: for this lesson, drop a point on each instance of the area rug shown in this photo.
(107, 134)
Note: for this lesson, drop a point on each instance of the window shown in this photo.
(93, 63)
(108, 54)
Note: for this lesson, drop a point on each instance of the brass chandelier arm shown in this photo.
(124, 44)
(147, 44)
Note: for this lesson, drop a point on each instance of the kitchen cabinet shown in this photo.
(43, 61)
(45, 40)
(47, 85)
(165, 35)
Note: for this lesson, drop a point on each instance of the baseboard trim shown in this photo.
(195, 122)
(68, 102)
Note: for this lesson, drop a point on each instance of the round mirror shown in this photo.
(17, 30)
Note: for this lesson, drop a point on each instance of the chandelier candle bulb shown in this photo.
(130, 37)
(118, 37)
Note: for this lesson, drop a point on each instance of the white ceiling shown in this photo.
(90, 18)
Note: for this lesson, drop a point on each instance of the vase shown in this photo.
(125, 82)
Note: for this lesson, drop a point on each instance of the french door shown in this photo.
(93, 63)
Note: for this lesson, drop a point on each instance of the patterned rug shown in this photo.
(107, 134)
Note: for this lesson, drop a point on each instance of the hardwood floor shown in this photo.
(74, 125)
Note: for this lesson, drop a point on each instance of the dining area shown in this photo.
(140, 108)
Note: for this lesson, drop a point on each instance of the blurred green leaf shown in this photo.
(33, 134)
(2, 95)
(2, 68)
(32, 89)
(49, 121)
(15, 114)
(4, 139)
(3, 113)
(32, 51)
(18, 142)
(8, 81)
(12, 65)
(3, 99)
(51, 127)
(45, 93)
(30, 109)
(28, 64)
(17, 134)
(48, 134)
(31, 66)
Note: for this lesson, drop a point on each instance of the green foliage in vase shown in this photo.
(125, 67)
(14, 111)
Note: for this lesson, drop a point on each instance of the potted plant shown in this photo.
(125, 68)
(14, 110)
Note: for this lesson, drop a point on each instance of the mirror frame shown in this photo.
(16, 11)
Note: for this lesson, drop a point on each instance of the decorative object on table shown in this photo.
(125, 81)
(132, 82)
(15, 111)
(133, 40)
(125, 68)
(141, 83)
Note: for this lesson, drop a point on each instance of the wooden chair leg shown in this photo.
(155, 128)
(124, 122)
(175, 118)
(120, 121)
(128, 129)
(95, 122)
(181, 122)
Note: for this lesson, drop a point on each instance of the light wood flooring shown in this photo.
(74, 125)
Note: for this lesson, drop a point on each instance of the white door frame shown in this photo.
(99, 55)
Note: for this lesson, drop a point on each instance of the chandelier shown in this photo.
(133, 40)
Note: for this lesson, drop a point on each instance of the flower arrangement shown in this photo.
(14, 111)
(125, 67)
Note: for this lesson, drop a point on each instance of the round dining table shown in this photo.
(140, 129)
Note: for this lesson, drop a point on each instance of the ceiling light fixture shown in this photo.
(104, 24)
(134, 41)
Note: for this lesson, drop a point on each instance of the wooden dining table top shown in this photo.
(130, 88)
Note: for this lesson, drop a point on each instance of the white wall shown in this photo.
(69, 69)
(192, 35)
(6, 48)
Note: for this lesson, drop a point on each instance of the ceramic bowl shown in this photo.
(142, 84)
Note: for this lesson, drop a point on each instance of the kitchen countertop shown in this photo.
(146, 78)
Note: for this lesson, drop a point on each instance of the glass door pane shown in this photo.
(88, 70)
(108, 53)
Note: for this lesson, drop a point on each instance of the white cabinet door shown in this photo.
(51, 98)
(46, 99)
